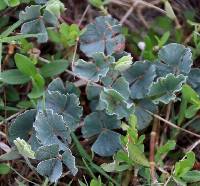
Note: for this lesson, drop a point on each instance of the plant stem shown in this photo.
(23, 177)
(17, 37)
(11, 28)
(152, 150)
(1, 51)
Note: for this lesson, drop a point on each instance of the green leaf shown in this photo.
(96, 3)
(4, 168)
(25, 65)
(103, 126)
(137, 155)
(170, 145)
(69, 160)
(95, 182)
(190, 95)
(47, 152)
(93, 71)
(22, 126)
(54, 68)
(114, 104)
(183, 166)
(51, 129)
(69, 34)
(3, 5)
(38, 83)
(104, 35)
(140, 76)
(51, 168)
(191, 111)
(66, 105)
(24, 148)
(163, 39)
(192, 176)
(164, 89)
(169, 10)
(13, 3)
(123, 63)
(14, 77)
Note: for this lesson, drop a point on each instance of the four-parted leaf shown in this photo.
(140, 76)
(51, 168)
(174, 58)
(101, 124)
(51, 129)
(66, 105)
(93, 71)
(104, 35)
(115, 104)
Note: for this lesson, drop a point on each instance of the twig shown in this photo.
(141, 17)
(76, 45)
(127, 13)
(165, 127)
(24, 177)
(84, 14)
(150, 5)
(193, 146)
(173, 125)
(11, 117)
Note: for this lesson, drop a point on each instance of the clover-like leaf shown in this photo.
(69, 160)
(47, 152)
(176, 58)
(30, 13)
(51, 168)
(143, 117)
(51, 129)
(165, 88)
(69, 88)
(122, 86)
(35, 27)
(194, 80)
(102, 124)
(140, 76)
(34, 141)
(22, 126)
(93, 71)
(114, 103)
(95, 122)
(34, 22)
(66, 105)
(107, 143)
(104, 35)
